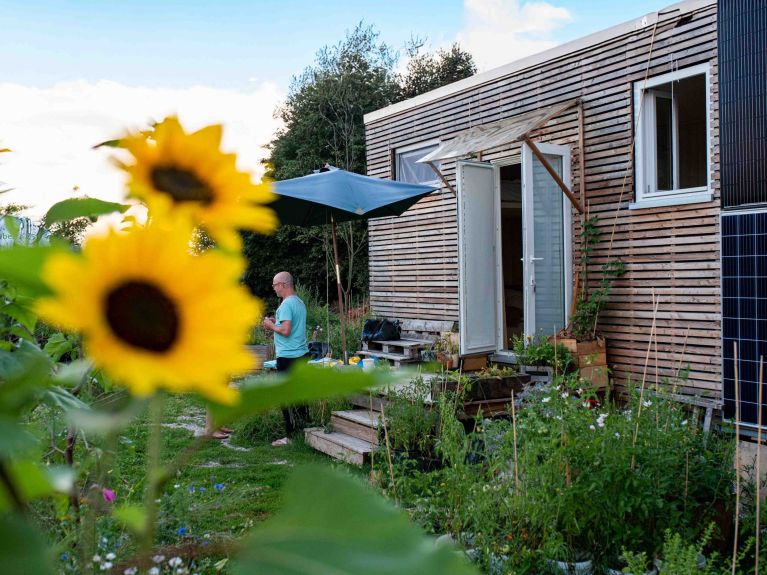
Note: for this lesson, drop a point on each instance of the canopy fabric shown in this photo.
(496, 134)
(311, 200)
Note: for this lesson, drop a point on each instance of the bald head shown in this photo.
(283, 284)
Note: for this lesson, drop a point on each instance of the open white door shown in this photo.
(547, 241)
(478, 208)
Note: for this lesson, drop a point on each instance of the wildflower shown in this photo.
(131, 571)
(105, 566)
(152, 314)
(158, 558)
(187, 173)
(580, 391)
(564, 395)
(181, 531)
(202, 490)
(175, 561)
(647, 403)
(585, 405)
(219, 486)
(601, 419)
(64, 557)
(97, 558)
(546, 400)
(176, 486)
(442, 484)
(111, 556)
(684, 422)
(592, 428)
(154, 571)
(191, 489)
(617, 435)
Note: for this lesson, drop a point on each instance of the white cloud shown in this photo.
(52, 130)
(500, 31)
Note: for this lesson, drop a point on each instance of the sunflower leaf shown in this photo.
(22, 314)
(74, 208)
(332, 523)
(304, 383)
(23, 547)
(21, 267)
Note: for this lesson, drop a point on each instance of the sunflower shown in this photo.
(153, 315)
(178, 172)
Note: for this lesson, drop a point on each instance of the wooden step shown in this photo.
(358, 423)
(338, 445)
(365, 401)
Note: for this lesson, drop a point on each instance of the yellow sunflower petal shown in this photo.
(152, 315)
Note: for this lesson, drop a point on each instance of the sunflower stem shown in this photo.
(153, 472)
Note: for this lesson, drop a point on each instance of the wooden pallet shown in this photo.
(397, 359)
(409, 348)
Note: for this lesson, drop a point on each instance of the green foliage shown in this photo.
(75, 208)
(540, 351)
(23, 548)
(412, 425)
(370, 536)
(588, 306)
(427, 72)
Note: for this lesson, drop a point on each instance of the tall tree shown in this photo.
(324, 123)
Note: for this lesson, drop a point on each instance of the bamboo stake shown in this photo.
(737, 458)
(388, 452)
(758, 459)
(514, 429)
(656, 302)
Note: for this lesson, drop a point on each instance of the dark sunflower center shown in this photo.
(181, 185)
(142, 316)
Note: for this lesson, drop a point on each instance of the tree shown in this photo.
(324, 123)
(426, 72)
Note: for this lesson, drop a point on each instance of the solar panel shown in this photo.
(744, 309)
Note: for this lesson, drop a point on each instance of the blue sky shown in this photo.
(78, 72)
(228, 43)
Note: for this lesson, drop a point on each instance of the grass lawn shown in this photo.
(226, 487)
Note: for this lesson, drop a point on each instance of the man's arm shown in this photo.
(283, 329)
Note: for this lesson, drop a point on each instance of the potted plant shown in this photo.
(581, 336)
(540, 358)
(446, 348)
(260, 345)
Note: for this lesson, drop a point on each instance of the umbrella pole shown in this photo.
(341, 310)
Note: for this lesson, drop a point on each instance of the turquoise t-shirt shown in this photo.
(294, 345)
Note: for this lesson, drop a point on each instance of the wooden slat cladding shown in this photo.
(671, 253)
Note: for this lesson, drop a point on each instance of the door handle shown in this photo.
(532, 259)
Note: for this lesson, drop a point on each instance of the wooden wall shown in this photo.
(672, 252)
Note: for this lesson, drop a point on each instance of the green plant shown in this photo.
(588, 306)
(412, 425)
(540, 351)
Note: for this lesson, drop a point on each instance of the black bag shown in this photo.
(388, 331)
(370, 329)
(381, 330)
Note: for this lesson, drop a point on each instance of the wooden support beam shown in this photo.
(570, 196)
(441, 177)
(582, 153)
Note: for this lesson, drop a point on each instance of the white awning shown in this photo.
(496, 134)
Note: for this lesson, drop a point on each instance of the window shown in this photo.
(408, 168)
(672, 142)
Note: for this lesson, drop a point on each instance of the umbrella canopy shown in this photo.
(312, 200)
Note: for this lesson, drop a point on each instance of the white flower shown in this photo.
(580, 391)
(158, 558)
(177, 485)
(97, 558)
(558, 417)
(154, 571)
(105, 566)
(564, 395)
(546, 400)
(111, 556)
(175, 561)
(684, 422)
(131, 571)
(585, 404)
(617, 435)
(647, 403)
(592, 428)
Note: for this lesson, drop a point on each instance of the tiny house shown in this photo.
(622, 125)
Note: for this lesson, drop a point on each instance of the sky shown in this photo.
(76, 72)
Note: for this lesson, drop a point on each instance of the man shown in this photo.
(289, 327)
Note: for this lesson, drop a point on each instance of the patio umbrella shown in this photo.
(333, 195)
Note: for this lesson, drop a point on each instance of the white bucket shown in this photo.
(367, 363)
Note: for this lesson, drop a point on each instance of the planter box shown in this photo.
(485, 388)
(590, 359)
(261, 353)
(538, 373)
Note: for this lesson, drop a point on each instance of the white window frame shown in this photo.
(647, 194)
(412, 148)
